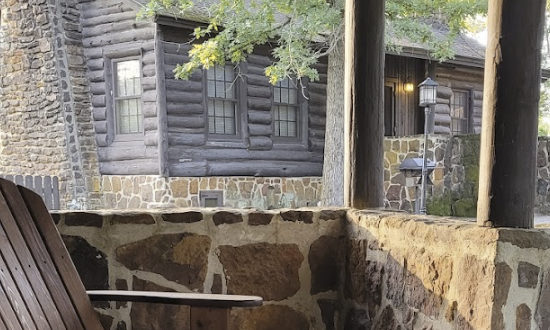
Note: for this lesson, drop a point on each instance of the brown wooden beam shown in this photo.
(364, 104)
(510, 113)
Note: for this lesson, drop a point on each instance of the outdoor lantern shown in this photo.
(428, 92)
(409, 87)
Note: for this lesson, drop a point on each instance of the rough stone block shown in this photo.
(297, 216)
(325, 262)
(89, 261)
(332, 215)
(224, 217)
(266, 270)
(182, 258)
(134, 219)
(183, 217)
(259, 219)
(84, 219)
(528, 275)
(523, 317)
(328, 310)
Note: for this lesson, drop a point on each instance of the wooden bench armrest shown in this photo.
(175, 298)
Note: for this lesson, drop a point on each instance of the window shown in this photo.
(221, 100)
(459, 112)
(211, 198)
(127, 96)
(285, 108)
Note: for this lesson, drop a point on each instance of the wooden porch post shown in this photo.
(507, 170)
(364, 104)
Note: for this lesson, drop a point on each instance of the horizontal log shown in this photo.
(146, 33)
(173, 85)
(99, 113)
(259, 117)
(151, 139)
(95, 9)
(148, 83)
(316, 133)
(316, 144)
(478, 95)
(114, 28)
(175, 59)
(130, 167)
(442, 109)
(98, 88)
(258, 80)
(98, 101)
(316, 120)
(185, 108)
(149, 70)
(317, 88)
(149, 96)
(259, 103)
(187, 168)
(184, 97)
(244, 155)
(442, 119)
(150, 123)
(264, 168)
(149, 109)
(442, 130)
(259, 60)
(119, 151)
(186, 139)
(96, 64)
(255, 70)
(169, 73)
(260, 143)
(319, 109)
(101, 140)
(259, 129)
(186, 121)
(109, 18)
(96, 76)
(257, 91)
(444, 92)
(101, 127)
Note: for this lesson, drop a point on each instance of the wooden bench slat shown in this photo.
(7, 312)
(44, 313)
(176, 298)
(61, 259)
(59, 309)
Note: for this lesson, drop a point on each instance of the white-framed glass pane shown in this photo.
(127, 76)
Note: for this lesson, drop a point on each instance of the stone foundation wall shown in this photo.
(287, 257)
(148, 191)
(316, 268)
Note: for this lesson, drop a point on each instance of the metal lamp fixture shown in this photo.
(428, 92)
(428, 99)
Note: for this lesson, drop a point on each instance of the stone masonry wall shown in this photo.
(288, 257)
(148, 191)
(45, 128)
(316, 268)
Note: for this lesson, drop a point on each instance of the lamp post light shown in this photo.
(428, 98)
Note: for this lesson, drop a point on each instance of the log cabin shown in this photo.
(134, 136)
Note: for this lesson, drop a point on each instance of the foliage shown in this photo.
(302, 31)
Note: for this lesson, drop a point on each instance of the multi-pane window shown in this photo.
(459, 112)
(127, 95)
(222, 101)
(285, 108)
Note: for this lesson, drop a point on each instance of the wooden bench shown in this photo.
(40, 287)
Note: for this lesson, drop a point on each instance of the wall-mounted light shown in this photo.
(409, 87)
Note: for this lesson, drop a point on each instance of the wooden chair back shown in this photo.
(39, 285)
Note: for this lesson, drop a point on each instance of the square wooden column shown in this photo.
(364, 104)
(507, 171)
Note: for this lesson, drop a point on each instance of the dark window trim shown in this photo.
(302, 118)
(240, 111)
(468, 110)
(111, 58)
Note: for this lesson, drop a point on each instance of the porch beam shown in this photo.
(507, 171)
(364, 104)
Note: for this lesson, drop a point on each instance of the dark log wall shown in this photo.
(254, 151)
(461, 78)
(408, 115)
(110, 30)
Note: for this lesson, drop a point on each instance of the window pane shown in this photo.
(128, 78)
(293, 99)
(291, 128)
(128, 114)
(220, 89)
(211, 88)
(221, 111)
(459, 112)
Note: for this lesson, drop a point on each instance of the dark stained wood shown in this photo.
(510, 113)
(203, 318)
(364, 104)
(175, 298)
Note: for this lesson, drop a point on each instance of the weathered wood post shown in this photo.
(507, 170)
(364, 104)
